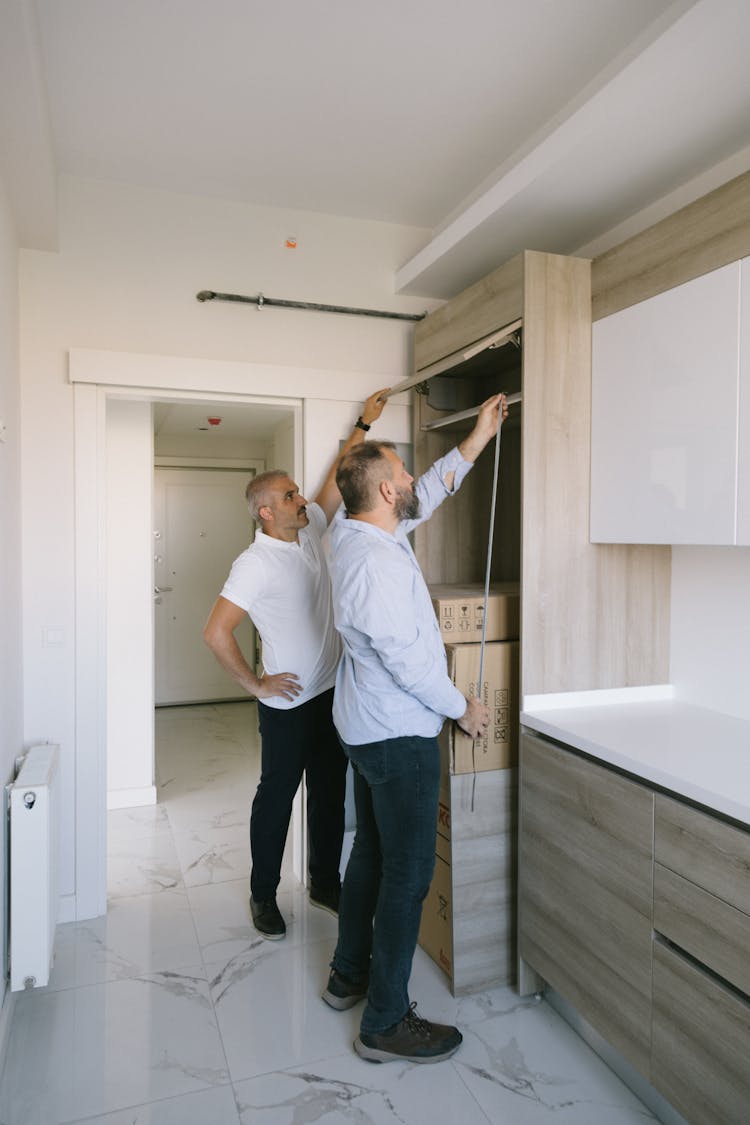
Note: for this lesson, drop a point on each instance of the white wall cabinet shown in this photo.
(665, 393)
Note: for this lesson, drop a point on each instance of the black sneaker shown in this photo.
(411, 1039)
(267, 919)
(341, 993)
(326, 900)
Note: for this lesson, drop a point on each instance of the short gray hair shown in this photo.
(360, 472)
(257, 492)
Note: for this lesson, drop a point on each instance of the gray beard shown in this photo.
(407, 505)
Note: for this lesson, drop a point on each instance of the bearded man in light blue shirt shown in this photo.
(392, 696)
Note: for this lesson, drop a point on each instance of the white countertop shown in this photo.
(692, 751)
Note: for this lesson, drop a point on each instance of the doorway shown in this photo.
(115, 652)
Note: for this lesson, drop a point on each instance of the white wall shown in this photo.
(129, 547)
(125, 277)
(280, 452)
(710, 628)
(11, 691)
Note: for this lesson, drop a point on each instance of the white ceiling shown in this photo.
(239, 422)
(494, 125)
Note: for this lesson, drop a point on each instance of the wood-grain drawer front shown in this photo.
(705, 926)
(596, 820)
(704, 849)
(585, 872)
(700, 1047)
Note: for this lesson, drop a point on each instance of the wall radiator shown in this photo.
(33, 844)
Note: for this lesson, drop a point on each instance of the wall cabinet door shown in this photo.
(664, 417)
(585, 892)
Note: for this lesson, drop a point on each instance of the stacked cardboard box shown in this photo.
(498, 749)
(459, 613)
(436, 928)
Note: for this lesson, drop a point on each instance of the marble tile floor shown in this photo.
(173, 1011)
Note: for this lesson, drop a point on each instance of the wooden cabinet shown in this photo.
(668, 374)
(701, 1004)
(585, 869)
(592, 617)
(701, 1041)
(635, 907)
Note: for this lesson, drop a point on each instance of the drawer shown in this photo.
(700, 1045)
(705, 926)
(586, 890)
(703, 849)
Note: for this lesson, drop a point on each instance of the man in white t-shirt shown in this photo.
(281, 582)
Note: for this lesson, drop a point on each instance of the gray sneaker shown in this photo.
(412, 1039)
(342, 993)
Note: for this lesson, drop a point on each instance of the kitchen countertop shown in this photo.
(691, 751)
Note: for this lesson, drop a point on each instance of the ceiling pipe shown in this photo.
(260, 302)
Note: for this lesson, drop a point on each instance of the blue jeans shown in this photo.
(396, 786)
(293, 741)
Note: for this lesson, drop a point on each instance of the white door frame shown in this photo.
(90, 400)
(97, 375)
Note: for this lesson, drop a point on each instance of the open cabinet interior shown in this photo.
(455, 551)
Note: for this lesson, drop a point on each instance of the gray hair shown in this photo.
(359, 474)
(257, 492)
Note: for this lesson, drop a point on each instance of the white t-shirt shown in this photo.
(286, 590)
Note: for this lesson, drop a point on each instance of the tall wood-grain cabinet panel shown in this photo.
(591, 616)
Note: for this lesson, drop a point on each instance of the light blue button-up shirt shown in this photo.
(392, 680)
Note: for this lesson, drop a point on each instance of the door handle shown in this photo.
(163, 589)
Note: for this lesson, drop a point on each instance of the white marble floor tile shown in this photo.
(211, 779)
(142, 866)
(139, 934)
(207, 1107)
(214, 856)
(270, 1013)
(346, 1089)
(524, 1064)
(221, 913)
(222, 919)
(211, 810)
(91, 1050)
(207, 727)
(130, 824)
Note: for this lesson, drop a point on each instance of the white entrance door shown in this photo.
(201, 525)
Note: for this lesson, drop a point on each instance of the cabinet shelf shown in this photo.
(463, 415)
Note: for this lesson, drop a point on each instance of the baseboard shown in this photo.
(131, 798)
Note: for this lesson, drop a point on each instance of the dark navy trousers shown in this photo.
(295, 741)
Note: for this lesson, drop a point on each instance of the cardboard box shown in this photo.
(436, 928)
(498, 750)
(460, 612)
(444, 811)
